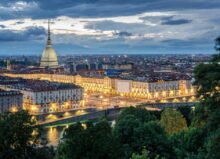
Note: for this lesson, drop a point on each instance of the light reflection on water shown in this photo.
(54, 134)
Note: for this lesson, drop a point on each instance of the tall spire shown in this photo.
(48, 38)
(49, 56)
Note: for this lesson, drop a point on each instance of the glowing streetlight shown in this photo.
(13, 109)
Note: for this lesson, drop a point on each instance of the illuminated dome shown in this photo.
(49, 56)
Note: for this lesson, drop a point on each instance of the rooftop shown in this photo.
(156, 76)
(35, 85)
(8, 93)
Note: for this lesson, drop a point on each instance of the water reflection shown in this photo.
(54, 134)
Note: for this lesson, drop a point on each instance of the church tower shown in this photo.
(49, 56)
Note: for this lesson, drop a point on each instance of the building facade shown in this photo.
(52, 100)
(10, 101)
(50, 96)
(123, 87)
(40, 96)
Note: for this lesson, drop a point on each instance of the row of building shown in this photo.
(136, 88)
(10, 101)
(38, 96)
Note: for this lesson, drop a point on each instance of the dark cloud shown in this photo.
(111, 25)
(183, 12)
(101, 8)
(19, 22)
(166, 20)
(122, 34)
(2, 26)
(156, 19)
(189, 43)
(33, 33)
(177, 42)
(176, 22)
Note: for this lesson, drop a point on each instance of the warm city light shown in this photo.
(109, 79)
(14, 109)
(66, 114)
(51, 117)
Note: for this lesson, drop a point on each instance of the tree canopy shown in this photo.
(172, 121)
(94, 141)
(20, 137)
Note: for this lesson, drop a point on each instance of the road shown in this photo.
(103, 101)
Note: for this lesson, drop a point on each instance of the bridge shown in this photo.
(93, 114)
(110, 113)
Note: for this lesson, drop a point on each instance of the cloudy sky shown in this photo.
(109, 26)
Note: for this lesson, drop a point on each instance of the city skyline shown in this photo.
(109, 27)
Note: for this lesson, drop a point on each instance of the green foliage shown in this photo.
(156, 114)
(216, 58)
(207, 78)
(152, 136)
(186, 111)
(207, 113)
(141, 114)
(212, 145)
(96, 141)
(124, 128)
(144, 155)
(134, 134)
(44, 153)
(124, 132)
(217, 44)
(172, 121)
(188, 143)
(17, 140)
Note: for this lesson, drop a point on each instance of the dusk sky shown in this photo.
(109, 26)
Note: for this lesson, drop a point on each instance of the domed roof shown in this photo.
(49, 56)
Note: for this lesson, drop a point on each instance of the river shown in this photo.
(53, 134)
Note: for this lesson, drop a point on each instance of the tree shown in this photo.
(141, 114)
(72, 139)
(124, 132)
(216, 57)
(217, 44)
(188, 143)
(144, 155)
(207, 113)
(172, 121)
(19, 136)
(134, 135)
(44, 153)
(153, 137)
(95, 141)
(186, 111)
(212, 145)
(207, 79)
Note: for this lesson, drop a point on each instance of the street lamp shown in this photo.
(13, 109)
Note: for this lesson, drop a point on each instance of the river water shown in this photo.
(54, 134)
